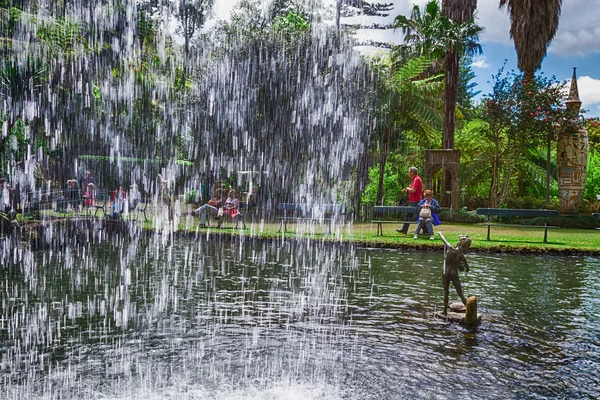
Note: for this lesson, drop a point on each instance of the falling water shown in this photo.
(108, 88)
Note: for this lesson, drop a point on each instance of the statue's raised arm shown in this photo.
(445, 241)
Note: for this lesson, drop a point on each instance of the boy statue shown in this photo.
(454, 260)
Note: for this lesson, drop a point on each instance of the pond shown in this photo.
(145, 318)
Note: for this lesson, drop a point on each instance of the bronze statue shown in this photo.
(454, 259)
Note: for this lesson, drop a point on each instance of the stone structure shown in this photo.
(471, 316)
(466, 315)
(449, 162)
(572, 154)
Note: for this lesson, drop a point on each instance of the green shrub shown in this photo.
(589, 206)
(527, 202)
(592, 180)
(461, 216)
(530, 203)
(190, 197)
(575, 221)
(474, 202)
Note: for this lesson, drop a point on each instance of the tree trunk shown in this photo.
(185, 59)
(495, 176)
(338, 14)
(529, 76)
(362, 176)
(450, 95)
(508, 175)
(548, 148)
(506, 184)
(384, 151)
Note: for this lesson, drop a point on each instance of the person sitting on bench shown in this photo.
(428, 210)
(73, 194)
(212, 206)
(117, 200)
(89, 195)
(230, 207)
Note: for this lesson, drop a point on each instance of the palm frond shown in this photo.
(412, 69)
(430, 86)
(429, 117)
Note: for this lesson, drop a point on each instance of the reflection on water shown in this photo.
(215, 319)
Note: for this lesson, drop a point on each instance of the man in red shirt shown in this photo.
(415, 195)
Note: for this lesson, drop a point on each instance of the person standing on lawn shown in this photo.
(415, 195)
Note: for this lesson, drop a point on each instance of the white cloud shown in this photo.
(222, 8)
(480, 62)
(495, 22)
(578, 32)
(578, 41)
(589, 91)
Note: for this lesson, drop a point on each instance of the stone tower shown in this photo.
(572, 154)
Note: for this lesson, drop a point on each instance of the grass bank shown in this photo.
(503, 239)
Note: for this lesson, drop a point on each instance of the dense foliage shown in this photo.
(273, 91)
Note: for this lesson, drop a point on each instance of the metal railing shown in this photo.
(75, 203)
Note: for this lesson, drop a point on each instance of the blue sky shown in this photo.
(577, 42)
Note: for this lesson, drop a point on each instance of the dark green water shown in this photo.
(229, 320)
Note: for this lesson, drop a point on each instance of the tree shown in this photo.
(466, 85)
(192, 15)
(521, 113)
(533, 26)
(592, 184)
(422, 33)
(445, 34)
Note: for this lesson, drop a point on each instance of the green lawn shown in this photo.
(516, 239)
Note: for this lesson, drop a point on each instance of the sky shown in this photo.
(576, 44)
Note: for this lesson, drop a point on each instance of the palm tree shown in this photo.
(422, 32)
(533, 26)
(441, 33)
(462, 39)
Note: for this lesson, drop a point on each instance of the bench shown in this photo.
(100, 204)
(242, 208)
(385, 210)
(323, 213)
(596, 216)
(512, 212)
(140, 208)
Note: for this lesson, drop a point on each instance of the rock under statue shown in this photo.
(454, 260)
